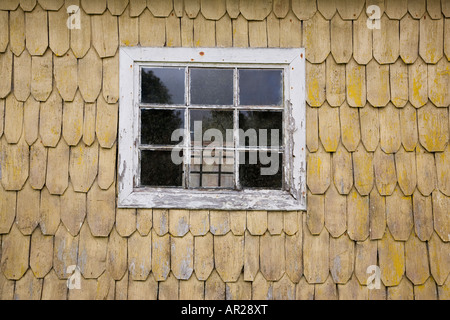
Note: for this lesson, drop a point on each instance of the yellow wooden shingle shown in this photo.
(251, 256)
(59, 34)
(143, 219)
(192, 8)
(94, 7)
(107, 167)
(390, 136)
(152, 30)
(350, 128)
(281, 8)
(341, 39)
(315, 217)
(161, 221)
(28, 288)
(229, 256)
(105, 34)
(443, 170)
(73, 120)
(90, 76)
(446, 41)
(315, 255)
(192, 289)
(352, 290)
(83, 166)
(117, 7)
(312, 129)
(431, 37)
(36, 30)
(386, 41)
(272, 256)
(365, 256)
(408, 126)
(358, 220)
(238, 222)
(240, 33)
(427, 291)
(42, 76)
(101, 210)
(294, 256)
(275, 222)
(126, 222)
(187, 32)
(173, 31)
(444, 291)
(315, 84)
(51, 5)
(7, 210)
(214, 287)
(15, 254)
(178, 222)
(326, 290)
(356, 84)
(136, 7)
(54, 288)
(4, 30)
(441, 218)
(391, 255)
(89, 123)
(335, 212)
(106, 122)
(349, 10)
(439, 258)
(335, 82)
(213, 9)
(128, 29)
(342, 170)
(178, 8)
(199, 222)
(160, 256)
(316, 28)
(385, 172)
(14, 164)
(80, 39)
(399, 215)
(219, 222)
(326, 8)
(304, 290)
(409, 39)
(65, 252)
(377, 215)
(182, 256)
(405, 165)
(257, 34)
(28, 5)
(17, 31)
(49, 212)
(6, 64)
(439, 83)
(224, 30)
(41, 254)
(329, 129)
(160, 8)
(13, 119)
(290, 31)
(403, 291)
(416, 264)
(22, 76)
(398, 76)
(426, 171)
(370, 127)
(58, 168)
(396, 9)
(66, 75)
(261, 288)
(434, 8)
(284, 289)
(362, 40)
(416, 8)
(239, 290)
(319, 171)
(342, 257)
(257, 222)
(140, 256)
(363, 170)
(74, 205)
(378, 91)
(418, 89)
(203, 256)
(423, 216)
(92, 253)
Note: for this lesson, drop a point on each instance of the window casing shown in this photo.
(225, 187)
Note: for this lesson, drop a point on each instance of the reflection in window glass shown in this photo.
(260, 87)
(158, 169)
(252, 122)
(163, 85)
(219, 121)
(211, 86)
(259, 169)
(157, 126)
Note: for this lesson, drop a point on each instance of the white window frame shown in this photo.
(291, 60)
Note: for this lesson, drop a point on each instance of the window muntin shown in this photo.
(230, 112)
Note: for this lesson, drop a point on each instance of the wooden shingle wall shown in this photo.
(378, 163)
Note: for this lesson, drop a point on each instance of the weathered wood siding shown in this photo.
(377, 137)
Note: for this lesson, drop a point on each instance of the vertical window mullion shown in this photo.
(187, 132)
(236, 130)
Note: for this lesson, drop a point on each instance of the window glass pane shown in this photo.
(258, 128)
(212, 168)
(158, 127)
(212, 126)
(211, 86)
(161, 168)
(260, 87)
(258, 169)
(163, 85)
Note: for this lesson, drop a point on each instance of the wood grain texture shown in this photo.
(36, 30)
(182, 256)
(431, 37)
(409, 39)
(74, 212)
(57, 178)
(27, 217)
(15, 254)
(229, 256)
(314, 28)
(101, 210)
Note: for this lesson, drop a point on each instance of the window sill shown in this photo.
(165, 198)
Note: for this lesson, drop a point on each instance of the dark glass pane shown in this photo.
(258, 128)
(159, 170)
(209, 126)
(157, 126)
(211, 86)
(212, 168)
(260, 87)
(163, 85)
(261, 170)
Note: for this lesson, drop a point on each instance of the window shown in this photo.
(212, 129)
